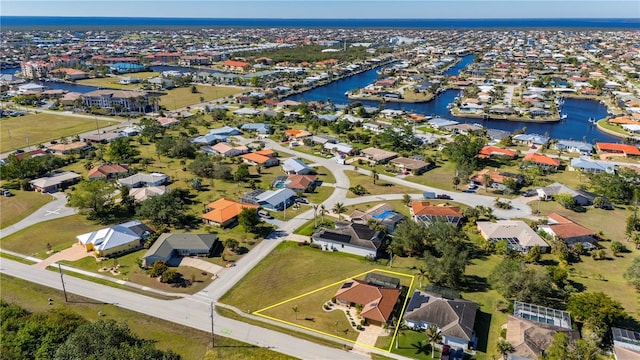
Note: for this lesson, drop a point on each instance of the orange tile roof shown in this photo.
(618, 148)
(301, 181)
(265, 152)
(106, 170)
(623, 120)
(566, 228)
(496, 177)
(223, 210)
(542, 159)
(489, 151)
(378, 303)
(425, 208)
(236, 63)
(256, 158)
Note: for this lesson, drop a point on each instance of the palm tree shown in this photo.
(295, 311)
(339, 209)
(406, 199)
(315, 215)
(456, 182)
(322, 211)
(374, 175)
(434, 336)
(504, 348)
(421, 274)
(486, 181)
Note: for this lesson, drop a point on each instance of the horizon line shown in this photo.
(336, 18)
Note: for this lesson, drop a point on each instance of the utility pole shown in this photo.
(213, 344)
(62, 279)
(98, 128)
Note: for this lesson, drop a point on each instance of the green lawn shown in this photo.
(325, 175)
(33, 241)
(381, 187)
(111, 82)
(182, 97)
(42, 127)
(191, 344)
(439, 177)
(320, 194)
(410, 343)
(15, 208)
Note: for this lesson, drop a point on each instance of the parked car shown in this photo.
(529, 193)
(264, 214)
(7, 193)
(443, 196)
(301, 200)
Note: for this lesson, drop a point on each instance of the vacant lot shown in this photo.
(39, 128)
(191, 344)
(60, 234)
(15, 208)
(183, 97)
(379, 188)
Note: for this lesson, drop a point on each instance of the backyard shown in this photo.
(34, 129)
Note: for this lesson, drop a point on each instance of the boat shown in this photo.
(564, 116)
(592, 120)
(346, 93)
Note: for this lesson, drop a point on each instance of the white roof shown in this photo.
(108, 238)
(511, 229)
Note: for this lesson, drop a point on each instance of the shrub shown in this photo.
(617, 247)
(353, 323)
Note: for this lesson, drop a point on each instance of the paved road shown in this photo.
(187, 311)
(52, 210)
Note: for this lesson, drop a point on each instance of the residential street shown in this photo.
(53, 210)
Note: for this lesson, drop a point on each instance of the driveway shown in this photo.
(198, 264)
(75, 252)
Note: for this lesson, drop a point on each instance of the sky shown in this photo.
(317, 9)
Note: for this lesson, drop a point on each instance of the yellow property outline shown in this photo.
(395, 332)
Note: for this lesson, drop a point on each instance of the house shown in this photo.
(297, 134)
(51, 182)
(256, 158)
(260, 128)
(208, 139)
(108, 171)
(167, 121)
(120, 100)
(518, 235)
(143, 193)
(238, 66)
(543, 161)
(491, 151)
(356, 239)
(225, 131)
(224, 212)
(378, 303)
(426, 213)
(497, 178)
(142, 179)
(378, 156)
(226, 150)
(270, 199)
(455, 318)
(169, 245)
(574, 146)
(381, 213)
(532, 139)
(415, 166)
(591, 166)
(626, 344)
(296, 166)
(116, 240)
(302, 183)
(582, 198)
(341, 149)
(246, 112)
(101, 137)
(63, 149)
(531, 328)
(623, 149)
(569, 231)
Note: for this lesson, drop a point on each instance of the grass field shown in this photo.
(15, 208)
(182, 97)
(42, 127)
(381, 186)
(59, 233)
(191, 344)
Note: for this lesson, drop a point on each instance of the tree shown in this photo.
(504, 348)
(566, 200)
(171, 276)
(596, 310)
(374, 176)
(167, 208)
(322, 211)
(158, 268)
(196, 184)
(462, 152)
(632, 275)
(486, 181)
(421, 274)
(409, 239)
(448, 269)
(109, 340)
(295, 311)
(617, 247)
(241, 174)
(121, 150)
(517, 281)
(456, 181)
(434, 336)
(533, 256)
(231, 244)
(563, 348)
(127, 202)
(339, 209)
(406, 199)
(93, 197)
(194, 89)
(248, 219)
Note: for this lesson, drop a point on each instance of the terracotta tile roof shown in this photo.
(106, 170)
(542, 159)
(265, 152)
(623, 120)
(377, 302)
(489, 151)
(255, 157)
(223, 210)
(235, 63)
(300, 181)
(618, 148)
(496, 176)
(566, 229)
(297, 133)
(425, 208)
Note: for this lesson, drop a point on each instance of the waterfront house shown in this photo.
(169, 245)
(583, 148)
(531, 328)
(568, 231)
(52, 182)
(622, 149)
(543, 161)
(351, 238)
(591, 166)
(224, 212)
(531, 139)
(519, 236)
(377, 302)
(236, 66)
(116, 240)
(454, 318)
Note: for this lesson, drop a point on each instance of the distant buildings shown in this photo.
(118, 100)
